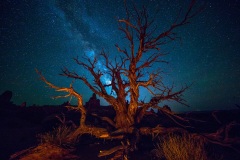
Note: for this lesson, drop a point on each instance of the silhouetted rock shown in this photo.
(24, 104)
(93, 103)
(167, 108)
(67, 103)
(5, 97)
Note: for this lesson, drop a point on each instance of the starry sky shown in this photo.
(47, 35)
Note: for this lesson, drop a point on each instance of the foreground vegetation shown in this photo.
(180, 147)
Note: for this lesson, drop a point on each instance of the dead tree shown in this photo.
(130, 71)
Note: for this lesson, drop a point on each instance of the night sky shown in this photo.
(48, 34)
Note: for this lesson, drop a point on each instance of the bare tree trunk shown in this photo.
(123, 120)
(134, 91)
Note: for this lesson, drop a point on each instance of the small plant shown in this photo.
(180, 147)
(54, 145)
(59, 136)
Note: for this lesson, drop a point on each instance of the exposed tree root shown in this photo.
(94, 131)
(221, 137)
(158, 130)
(111, 151)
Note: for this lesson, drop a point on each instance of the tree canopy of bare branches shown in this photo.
(128, 71)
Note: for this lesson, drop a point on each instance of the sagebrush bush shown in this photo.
(180, 147)
(58, 136)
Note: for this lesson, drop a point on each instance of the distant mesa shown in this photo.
(5, 97)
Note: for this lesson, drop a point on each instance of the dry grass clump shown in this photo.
(59, 136)
(55, 145)
(45, 151)
(180, 147)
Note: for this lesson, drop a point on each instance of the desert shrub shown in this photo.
(58, 136)
(55, 145)
(180, 147)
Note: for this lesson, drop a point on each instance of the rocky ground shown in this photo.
(21, 125)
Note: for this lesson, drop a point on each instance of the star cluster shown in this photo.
(47, 35)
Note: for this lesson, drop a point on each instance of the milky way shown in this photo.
(48, 35)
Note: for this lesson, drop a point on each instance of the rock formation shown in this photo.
(93, 103)
(5, 98)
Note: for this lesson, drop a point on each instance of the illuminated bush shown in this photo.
(184, 147)
(59, 136)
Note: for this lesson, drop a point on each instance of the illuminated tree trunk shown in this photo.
(134, 90)
(123, 120)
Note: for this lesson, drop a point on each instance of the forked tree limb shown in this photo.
(108, 120)
(176, 119)
(221, 137)
(71, 92)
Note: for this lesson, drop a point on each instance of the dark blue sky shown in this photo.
(48, 34)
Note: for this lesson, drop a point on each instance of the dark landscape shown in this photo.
(21, 127)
